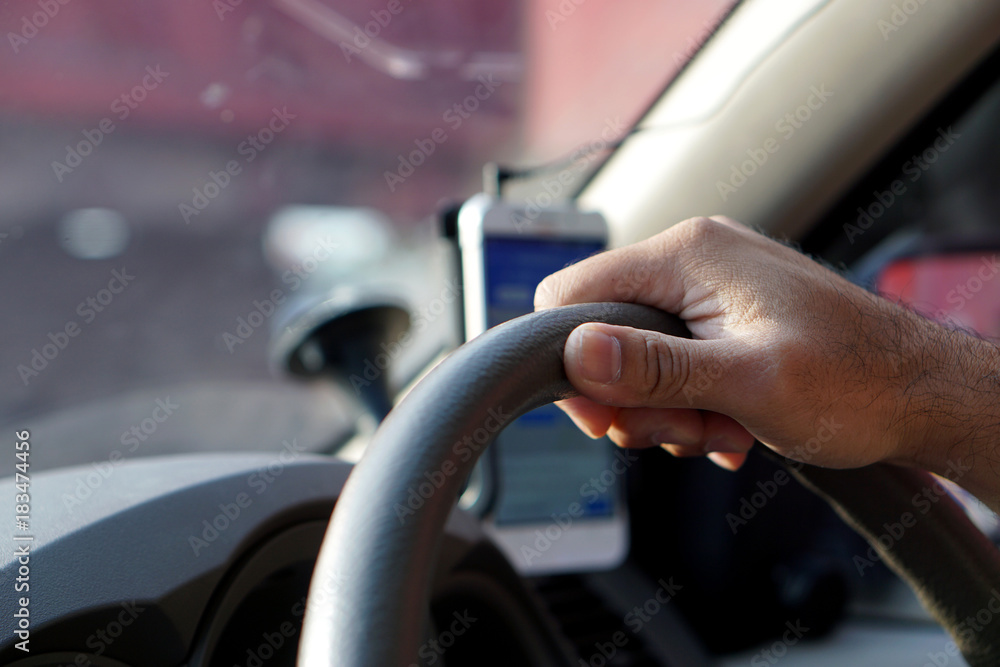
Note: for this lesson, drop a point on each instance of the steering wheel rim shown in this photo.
(360, 597)
(395, 503)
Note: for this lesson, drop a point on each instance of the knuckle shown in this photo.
(547, 294)
(699, 231)
(698, 227)
(666, 371)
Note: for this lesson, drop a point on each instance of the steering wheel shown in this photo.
(371, 584)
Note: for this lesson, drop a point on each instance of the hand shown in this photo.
(783, 350)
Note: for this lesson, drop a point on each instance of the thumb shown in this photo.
(629, 367)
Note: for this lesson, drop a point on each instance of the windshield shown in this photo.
(176, 172)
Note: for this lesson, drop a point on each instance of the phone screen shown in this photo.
(544, 463)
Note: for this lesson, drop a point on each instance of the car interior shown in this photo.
(251, 396)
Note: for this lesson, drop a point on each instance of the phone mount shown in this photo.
(342, 337)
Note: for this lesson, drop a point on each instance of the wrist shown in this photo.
(951, 409)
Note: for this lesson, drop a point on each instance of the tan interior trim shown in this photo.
(886, 63)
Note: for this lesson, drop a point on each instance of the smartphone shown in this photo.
(556, 500)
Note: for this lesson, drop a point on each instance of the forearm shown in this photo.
(951, 416)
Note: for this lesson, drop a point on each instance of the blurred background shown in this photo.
(222, 156)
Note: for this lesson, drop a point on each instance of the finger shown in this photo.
(683, 433)
(727, 461)
(649, 427)
(726, 441)
(682, 452)
(592, 418)
(652, 272)
(725, 435)
(628, 367)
